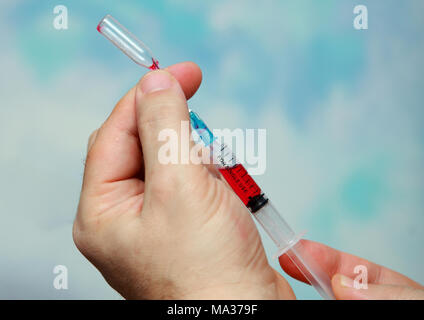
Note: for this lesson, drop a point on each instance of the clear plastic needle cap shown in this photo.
(127, 42)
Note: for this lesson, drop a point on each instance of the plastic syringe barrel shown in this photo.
(273, 223)
(287, 242)
(311, 270)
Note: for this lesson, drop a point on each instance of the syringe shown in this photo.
(233, 171)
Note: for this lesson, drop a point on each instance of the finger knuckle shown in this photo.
(84, 234)
(78, 236)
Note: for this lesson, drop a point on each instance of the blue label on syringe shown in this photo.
(201, 129)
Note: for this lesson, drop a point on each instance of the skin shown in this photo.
(166, 231)
(177, 231)
(383, 283)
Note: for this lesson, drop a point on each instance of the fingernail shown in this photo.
(156, 81)
(346, 282)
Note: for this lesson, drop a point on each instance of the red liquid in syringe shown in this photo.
(244, 186)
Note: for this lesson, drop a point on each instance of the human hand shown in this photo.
(166, 231)
(383, 283)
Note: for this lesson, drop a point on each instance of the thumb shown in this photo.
(344, 289)
(162, 118)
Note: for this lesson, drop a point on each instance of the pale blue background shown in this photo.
(343, 109)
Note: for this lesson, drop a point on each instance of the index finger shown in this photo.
(333, 262)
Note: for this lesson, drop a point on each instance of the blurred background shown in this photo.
(342, 108)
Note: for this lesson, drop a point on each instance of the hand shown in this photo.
(166, 231)
(383, 283)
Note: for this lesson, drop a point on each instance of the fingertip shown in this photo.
(342, 287)
(339, 280)
(189, 75)
(185, 68)
(155, 81)
(160, 79)
(335, 285)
